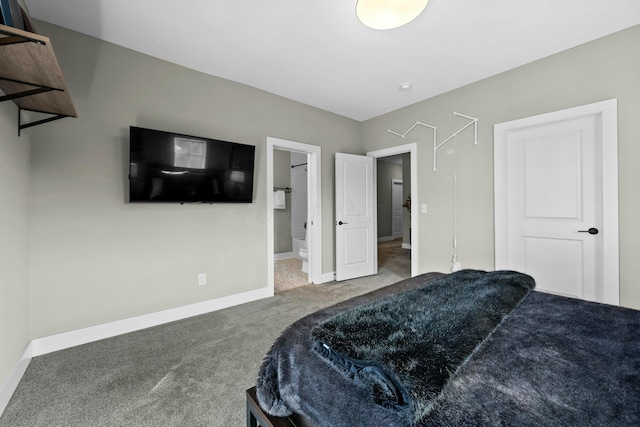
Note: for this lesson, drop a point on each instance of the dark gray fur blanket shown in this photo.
(553, 361)
(405, 347)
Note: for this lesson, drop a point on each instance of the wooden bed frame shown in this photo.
(256, 416)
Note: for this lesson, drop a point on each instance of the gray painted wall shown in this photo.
(603, 69)
(14, 250)
(94, 257)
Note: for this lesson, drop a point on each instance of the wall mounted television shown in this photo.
(171, 167)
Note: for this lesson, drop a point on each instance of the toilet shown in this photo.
(304, 252)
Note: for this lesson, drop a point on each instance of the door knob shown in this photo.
(592, 230)
(340, 223)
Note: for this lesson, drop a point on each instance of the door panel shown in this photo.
(552, 176)
(552, 195)
(356, 241)
(356, 254)
(556, 264)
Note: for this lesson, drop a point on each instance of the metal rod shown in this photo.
(38, 122)
(23, 94)
(39, 89)
(29, 83)
(33, 110)
(6, 41)
(13, 37)
(285, 189)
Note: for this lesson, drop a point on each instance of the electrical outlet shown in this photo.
(202, 279)
(424, 208)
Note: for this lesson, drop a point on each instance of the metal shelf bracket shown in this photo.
(37, 122)
(38, 89)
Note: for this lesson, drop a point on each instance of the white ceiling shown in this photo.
(318, 53)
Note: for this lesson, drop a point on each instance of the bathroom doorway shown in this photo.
(290, 216)
(293, 199)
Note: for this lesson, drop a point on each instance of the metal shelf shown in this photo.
(31, 77)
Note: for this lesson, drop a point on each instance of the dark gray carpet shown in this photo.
(188, 373)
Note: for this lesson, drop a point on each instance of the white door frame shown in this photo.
(607, 112)
(412, 149)
(314, 206)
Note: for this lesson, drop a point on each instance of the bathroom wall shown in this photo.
(282, 217)
(298, 195)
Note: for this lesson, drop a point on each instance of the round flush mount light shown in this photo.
(388, 14)
(405, 86)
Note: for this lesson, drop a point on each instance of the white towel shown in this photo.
(279, 201)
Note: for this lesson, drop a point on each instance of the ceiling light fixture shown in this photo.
(388, 14)
(405, 86)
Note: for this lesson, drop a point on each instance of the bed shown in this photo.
(466, 348)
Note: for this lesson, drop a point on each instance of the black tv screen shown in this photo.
(171, 167)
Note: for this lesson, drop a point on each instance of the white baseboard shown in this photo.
(10, 385)
(40, 346)
(385, 239)
(406, 246)
(283, 255)
(69, 339)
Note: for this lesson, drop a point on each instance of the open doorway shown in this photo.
(393, 183)
(277, 149)
(290, 215)
(394, 165)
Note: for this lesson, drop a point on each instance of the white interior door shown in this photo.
(550, 174)
(554, 195)
(396, 208)
(356, 253)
